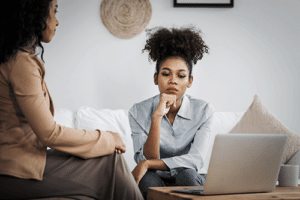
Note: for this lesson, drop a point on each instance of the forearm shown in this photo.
(156, 164)
(151, 147)
(141, 169)
(82, 143)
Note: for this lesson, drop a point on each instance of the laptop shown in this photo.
(242, 163)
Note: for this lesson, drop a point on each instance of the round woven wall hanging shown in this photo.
(125, 18)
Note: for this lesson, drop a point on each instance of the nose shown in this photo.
(173, 79)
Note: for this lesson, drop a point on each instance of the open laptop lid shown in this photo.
(243, 163)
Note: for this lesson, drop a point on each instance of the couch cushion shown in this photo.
(258, 119)
(223, 122)
(108, 120)
(65, 117)
(117, 120)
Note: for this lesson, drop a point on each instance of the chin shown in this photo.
(47, 41)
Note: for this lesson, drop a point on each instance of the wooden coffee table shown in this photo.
(164, 193)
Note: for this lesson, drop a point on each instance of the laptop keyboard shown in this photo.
(189, 190)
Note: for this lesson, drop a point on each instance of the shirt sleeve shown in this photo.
(27, 83)
(195, 157)
(139, 136)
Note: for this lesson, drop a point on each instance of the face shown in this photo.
(173, 77)
(52, 23)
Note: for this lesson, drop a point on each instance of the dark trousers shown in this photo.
(70, 177)
(185, 177)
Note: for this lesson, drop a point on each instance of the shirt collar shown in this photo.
(184, 110)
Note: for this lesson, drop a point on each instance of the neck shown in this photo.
(31, 45)
(28, 49)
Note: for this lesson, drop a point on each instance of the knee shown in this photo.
(126, 187)
(151, 179)
(189, 177)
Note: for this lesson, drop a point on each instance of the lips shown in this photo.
(172, 90)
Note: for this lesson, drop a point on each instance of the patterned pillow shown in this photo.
(257, 119)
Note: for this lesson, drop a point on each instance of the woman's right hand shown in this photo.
(165, 103)
(120, 146)
(139, 171)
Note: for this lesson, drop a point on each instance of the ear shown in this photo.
(155, 79)
(190, 81)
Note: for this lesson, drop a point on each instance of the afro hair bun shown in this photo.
(164, 42)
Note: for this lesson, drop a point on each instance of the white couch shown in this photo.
(117, 120)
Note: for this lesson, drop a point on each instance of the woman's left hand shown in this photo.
(140, 170)
(120, 146)
(118, 151)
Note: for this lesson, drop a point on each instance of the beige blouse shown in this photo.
(27, 127)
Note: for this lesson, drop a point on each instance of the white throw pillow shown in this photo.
(65, 117)
(223, 122)
(108, 120)
(258, 119)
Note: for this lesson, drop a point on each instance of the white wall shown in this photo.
(254, 49)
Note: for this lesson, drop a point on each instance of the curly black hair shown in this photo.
(22, 23)
(185, 42)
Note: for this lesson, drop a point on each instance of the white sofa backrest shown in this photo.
(117, 120)
(223, 122)
(65, 117)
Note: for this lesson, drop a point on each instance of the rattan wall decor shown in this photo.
(125, 18)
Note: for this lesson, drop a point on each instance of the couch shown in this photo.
(117, 120)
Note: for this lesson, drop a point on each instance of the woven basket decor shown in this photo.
(125, 18)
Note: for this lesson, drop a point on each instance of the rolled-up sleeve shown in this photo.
(138, 135)
(195, 157)
(182, 144)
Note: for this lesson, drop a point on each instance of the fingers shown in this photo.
(121, 148)
(165, 103)
(166, 108)
(119, 151)
(169, 99)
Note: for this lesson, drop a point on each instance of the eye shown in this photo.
(181, 76)
(165, 74)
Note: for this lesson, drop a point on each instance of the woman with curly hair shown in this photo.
(170, 131)
(81, 164)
